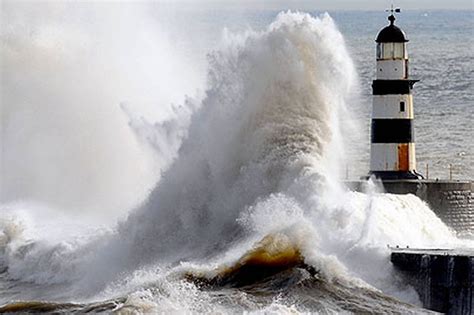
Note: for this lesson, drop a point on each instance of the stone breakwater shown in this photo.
(443, 278)
(452, 201)
(459, 209)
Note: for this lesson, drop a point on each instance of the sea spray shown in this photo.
(265, 127)
(65, 69)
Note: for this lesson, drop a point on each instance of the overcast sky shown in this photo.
(334, 4)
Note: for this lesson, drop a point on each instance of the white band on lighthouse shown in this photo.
(393, 106)
(392, 154)
(392, 69)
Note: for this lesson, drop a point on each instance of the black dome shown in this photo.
(391, 34)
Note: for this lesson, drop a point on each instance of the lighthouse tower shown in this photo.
(392, 152)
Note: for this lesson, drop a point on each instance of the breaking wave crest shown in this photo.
(251, 198)
(267, 126)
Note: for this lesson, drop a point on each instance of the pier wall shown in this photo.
(443, 279)
(452, 201)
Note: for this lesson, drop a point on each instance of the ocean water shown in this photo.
(158, 159)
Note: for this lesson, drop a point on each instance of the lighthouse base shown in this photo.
(395, 175)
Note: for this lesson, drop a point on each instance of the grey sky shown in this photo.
(334, 4)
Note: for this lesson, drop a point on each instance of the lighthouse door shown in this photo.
(403, 157)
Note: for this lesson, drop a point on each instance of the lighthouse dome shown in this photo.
(391, 33)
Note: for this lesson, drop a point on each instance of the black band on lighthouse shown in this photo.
(384, 87)
(392, 131)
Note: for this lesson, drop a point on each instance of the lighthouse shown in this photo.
(392, 151)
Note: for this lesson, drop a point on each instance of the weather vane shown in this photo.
(392, 10)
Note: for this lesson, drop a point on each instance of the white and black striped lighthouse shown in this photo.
(392, 152)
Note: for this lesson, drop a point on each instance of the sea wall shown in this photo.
(443, 279)
(452, 201)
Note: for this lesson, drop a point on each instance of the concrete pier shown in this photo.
(443, 278)
(452, 201)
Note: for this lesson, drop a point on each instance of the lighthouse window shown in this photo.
(379, 51)
(402, 106)
(391, 51)
(387, 50)
(398, 50)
